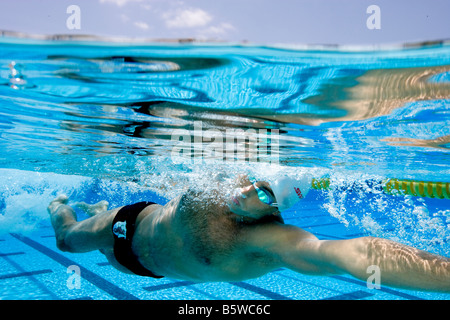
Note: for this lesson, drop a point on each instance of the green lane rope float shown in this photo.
(427, 189)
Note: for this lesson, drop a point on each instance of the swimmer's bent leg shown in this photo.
(62, 218)
(80, 236)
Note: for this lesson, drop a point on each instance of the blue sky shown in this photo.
(256, 21)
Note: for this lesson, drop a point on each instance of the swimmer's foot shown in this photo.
(56, 203)
(93, 209)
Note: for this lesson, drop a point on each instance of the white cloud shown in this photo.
(197, 22)
(219, 30)
(119, 3)
(187, 18)
(141, 25)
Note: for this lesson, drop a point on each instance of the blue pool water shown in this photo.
(98, 120)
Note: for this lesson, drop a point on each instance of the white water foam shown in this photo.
(25, 195)
(407, 219)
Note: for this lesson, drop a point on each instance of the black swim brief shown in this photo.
(123, 228)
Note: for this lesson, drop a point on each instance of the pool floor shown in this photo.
(32, 268)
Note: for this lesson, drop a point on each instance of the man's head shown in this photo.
(253, 200)
(257, 199)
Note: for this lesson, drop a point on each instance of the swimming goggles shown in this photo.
(265, 196)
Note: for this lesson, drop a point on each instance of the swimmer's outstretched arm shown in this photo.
(399, 265)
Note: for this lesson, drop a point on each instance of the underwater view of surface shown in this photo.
(99, 120)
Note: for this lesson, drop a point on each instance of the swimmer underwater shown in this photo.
(235, 233)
